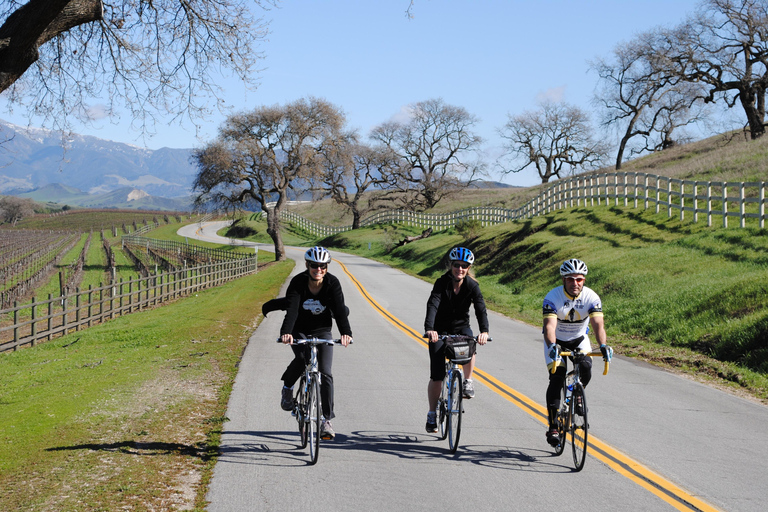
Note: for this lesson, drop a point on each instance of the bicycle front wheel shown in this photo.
(442, 409)
(314, 416)
(300, 410)
(579, 426)
(455, 392)
(562, 422)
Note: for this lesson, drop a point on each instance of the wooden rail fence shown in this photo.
(27, 324)
(741, 201)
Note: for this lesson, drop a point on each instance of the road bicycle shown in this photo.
(572, 414)
(450, 404)
(307, 405)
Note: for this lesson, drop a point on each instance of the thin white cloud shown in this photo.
(403, 115)
(554, 94)
(97, 112)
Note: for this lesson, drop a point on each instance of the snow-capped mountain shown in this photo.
(33, 158)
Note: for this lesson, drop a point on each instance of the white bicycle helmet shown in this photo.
(573, 266)
(317, 254)
(461, 254)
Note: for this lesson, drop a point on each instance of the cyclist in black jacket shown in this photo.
(448, 313)
(313, 298)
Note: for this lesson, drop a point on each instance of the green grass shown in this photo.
(673, 292)
(291, 234)
(113, 416)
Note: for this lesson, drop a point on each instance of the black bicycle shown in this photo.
(572, 414)
(459, 350)
(307, 405)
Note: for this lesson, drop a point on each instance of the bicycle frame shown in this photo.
(572, 414)
(307, 406)
(450, 406)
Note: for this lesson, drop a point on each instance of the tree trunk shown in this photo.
(273, 230)
(754, 116)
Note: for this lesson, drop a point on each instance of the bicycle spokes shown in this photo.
(454, 410)
(579, 427)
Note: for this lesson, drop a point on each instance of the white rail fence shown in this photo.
(741, 201)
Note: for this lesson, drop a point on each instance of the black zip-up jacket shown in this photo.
(312, 315)
(448, 312)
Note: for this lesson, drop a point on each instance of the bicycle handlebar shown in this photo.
(567, 353)
(313, 341)
(448, 336)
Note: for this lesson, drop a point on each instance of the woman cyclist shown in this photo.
(312, 299)
(448, 313)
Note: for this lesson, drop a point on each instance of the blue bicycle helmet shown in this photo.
(461, 254)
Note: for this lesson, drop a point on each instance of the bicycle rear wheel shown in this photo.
(579, 426)
(314, 415)
(300, 410)
(562, 422)
(454, 410)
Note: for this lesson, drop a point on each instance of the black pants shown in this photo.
(324, 365)
(437, 356)
(556, 381)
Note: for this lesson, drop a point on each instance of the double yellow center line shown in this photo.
(616, 460)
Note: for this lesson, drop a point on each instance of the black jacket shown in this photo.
(312, 315)
(448, 312)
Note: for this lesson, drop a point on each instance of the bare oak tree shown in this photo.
(260, 155)
(13, 209)
(724, 46)
(353, 169)
(158, 56)
(437, 147)
(640, 101)
(556, 139)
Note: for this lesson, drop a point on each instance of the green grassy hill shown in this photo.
(674, 292)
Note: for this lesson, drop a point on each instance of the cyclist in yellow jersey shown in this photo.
(569, 311)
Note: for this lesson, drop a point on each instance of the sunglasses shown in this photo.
(575, 279)
(460, 265)
(322, 266)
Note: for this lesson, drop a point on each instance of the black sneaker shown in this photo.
(431, 423)
(553, 436)
(286, 399)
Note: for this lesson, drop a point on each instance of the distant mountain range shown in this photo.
(95, 173)
(124, 198)
(92, 172)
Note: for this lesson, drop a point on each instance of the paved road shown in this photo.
(661, 441)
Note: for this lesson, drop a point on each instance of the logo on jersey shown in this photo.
(313, 306)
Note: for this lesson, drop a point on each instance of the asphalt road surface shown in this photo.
(658, 441)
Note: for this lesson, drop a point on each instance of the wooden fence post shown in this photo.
(50, 315)
(34, 321)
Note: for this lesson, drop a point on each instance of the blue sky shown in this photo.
(492, 57)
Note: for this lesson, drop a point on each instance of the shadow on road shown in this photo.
(282, 449)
